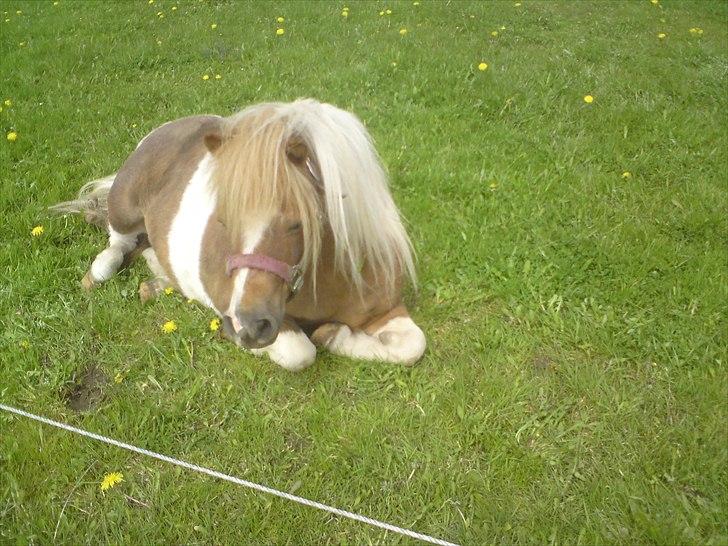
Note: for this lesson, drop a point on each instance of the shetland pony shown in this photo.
(278, 218)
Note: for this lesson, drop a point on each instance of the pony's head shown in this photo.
(285, 173)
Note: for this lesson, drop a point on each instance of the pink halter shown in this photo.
(291, 275)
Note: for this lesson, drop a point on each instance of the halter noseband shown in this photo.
(291, 275)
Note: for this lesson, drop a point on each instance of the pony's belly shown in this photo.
(186, 232)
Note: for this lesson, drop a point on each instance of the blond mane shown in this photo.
(255, 176)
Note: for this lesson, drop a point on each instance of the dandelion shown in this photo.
(118, 378)
(626, 174)
(55, 3)
(388, 12)
(494, 33)
(654, 2)
(517, 4)
(493, 186)
(21, 44)
(415, 3)
(206, 77)
(483, 67)
(37, 231)
(394, 64)
(281, 20)
(169, 290)
(150, 2)
(218, 77)
(214, 325)
(110, 480)
(402, 31)
(345, 14)
(18, 12)
(8, 102)
(662, 35)
(12, 136)
(190, 300)
(25, 344)
(696, 31)
(280, 32)
(213, 26)
(380, 13)
(174, 8)
(169, 327)
(502, 28)
(159, 42)
(588, 99)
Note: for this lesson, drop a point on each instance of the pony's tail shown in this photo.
(91, 202)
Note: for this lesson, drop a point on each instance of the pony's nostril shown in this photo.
(263, 328)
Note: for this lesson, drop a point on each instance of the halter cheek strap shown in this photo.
(291, 275)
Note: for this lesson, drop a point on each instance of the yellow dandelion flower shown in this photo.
(7, 20)
(345, 8)
(388, 12)
(169, 290)
(55, 3)
(517, 4)
(662, 35)
(110, 480)
(626, 174)
(394, 63)
(493, 186)
(483, 67)
(159, 13)
(190, 300)
(37, 231)
(174, 8)
(655, 2)
(381, 13)
(150, 2)
(18, 12)
(206, 77)
(161, 16)
(494, 33)
(8, 102)
(118, 378)
(25, 344)
(213, 26)
(415, 3)
(12, 136)
(280, 32)
(169, 327)
(402, 31)
(214, 325)
(134, 125)
(159, 42)
(218, 77)
(281, 20)
(21, 44)
(588, 99)
(345, 14)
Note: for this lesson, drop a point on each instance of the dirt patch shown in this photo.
(87, 389)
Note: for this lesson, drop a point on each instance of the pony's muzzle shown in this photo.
(257, 329)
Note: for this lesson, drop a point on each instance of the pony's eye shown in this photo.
(294, 227)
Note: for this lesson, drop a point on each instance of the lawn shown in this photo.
(572, 261)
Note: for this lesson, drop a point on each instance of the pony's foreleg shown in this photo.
(149, 290)
(393, 337)
(108, 261)
(291, 350)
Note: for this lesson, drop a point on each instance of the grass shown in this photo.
(574, 389)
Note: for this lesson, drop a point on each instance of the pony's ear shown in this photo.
(296, 150)
(299, 154)
(213, 135)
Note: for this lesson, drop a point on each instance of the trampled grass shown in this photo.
(574, 389)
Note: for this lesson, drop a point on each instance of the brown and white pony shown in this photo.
(279, 218)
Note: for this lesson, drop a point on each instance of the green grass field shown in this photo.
(574, 390)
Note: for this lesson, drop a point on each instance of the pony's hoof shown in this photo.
(325, 333)
(147, 292)
(88, 283)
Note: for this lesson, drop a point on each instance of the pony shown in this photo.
(279, 218)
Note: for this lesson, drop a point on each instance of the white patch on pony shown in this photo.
(187, 229)
(108, 261)
(399, 341)
(291, 350)
(251, 237)
(153, 262)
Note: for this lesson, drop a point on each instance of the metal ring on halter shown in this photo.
(296, 281)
